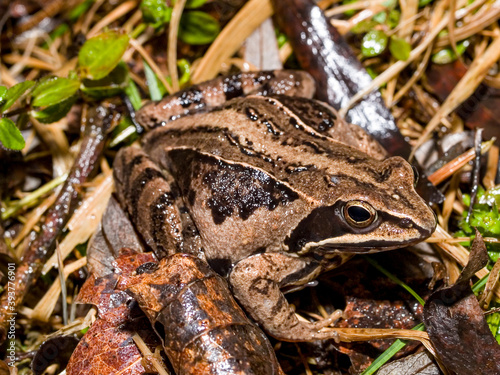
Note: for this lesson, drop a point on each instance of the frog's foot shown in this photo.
(323, 323)
(256, 283)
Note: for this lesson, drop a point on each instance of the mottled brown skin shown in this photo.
(269, 182)
(203, 329)
(214, 93)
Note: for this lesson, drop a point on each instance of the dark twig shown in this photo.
(476, 171)
(41, 248)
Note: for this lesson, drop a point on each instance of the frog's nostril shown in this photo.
(406, 223)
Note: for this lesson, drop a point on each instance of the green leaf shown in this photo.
(393, 19)
(156, 88)
(445, 56)
(374, 43)
(380, 17)
(399, 48)
(54, 90)
(198, 28)
(191, 4)
(155, 12)
(101, 54)
(111, 85)
(493, 321)
(3, 92)
(54, 112)
(14, 93)
(448, 55)
(10, 136)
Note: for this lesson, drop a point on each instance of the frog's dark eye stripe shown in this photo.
(359, 214)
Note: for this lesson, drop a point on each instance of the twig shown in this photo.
(476, 173)
(42, 247)
(173, 30)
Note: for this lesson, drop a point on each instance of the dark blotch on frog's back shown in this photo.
(310, 112)
(232, 188)
(191, 97)
(232, 86)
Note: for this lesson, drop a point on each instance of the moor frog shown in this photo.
(271, 189)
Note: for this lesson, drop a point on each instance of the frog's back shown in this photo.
(252, 171)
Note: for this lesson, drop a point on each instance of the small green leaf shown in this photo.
(281, 38)
(155, 12)
(54, 90)
(448, 55)
(101, 54)
(3, 92)
(111, 85)
(14, 93)
(198, 28)
(445, 56)
(380, 17)
(10, 136)
(399, 48)
(156, 88)
(191, 4)
(374, 43)
(393, 19)
(54, 112)
(493, 321)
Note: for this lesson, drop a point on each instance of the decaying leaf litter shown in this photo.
(149, 49)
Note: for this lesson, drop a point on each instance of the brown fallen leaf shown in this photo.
(481, 109)
(456, 325)
(108, 346)
(416, 364)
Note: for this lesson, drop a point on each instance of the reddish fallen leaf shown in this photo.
(456, 325)
(203, 329)
(108, 347)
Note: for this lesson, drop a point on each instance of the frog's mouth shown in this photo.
(326, 230)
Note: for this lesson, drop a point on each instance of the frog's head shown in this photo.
(372, 209)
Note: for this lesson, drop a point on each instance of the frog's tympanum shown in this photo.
(270, 187)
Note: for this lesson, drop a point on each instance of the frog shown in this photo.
(267, 185)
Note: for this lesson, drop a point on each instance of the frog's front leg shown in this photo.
(257, 281)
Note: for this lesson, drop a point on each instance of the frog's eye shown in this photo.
(359, 214)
